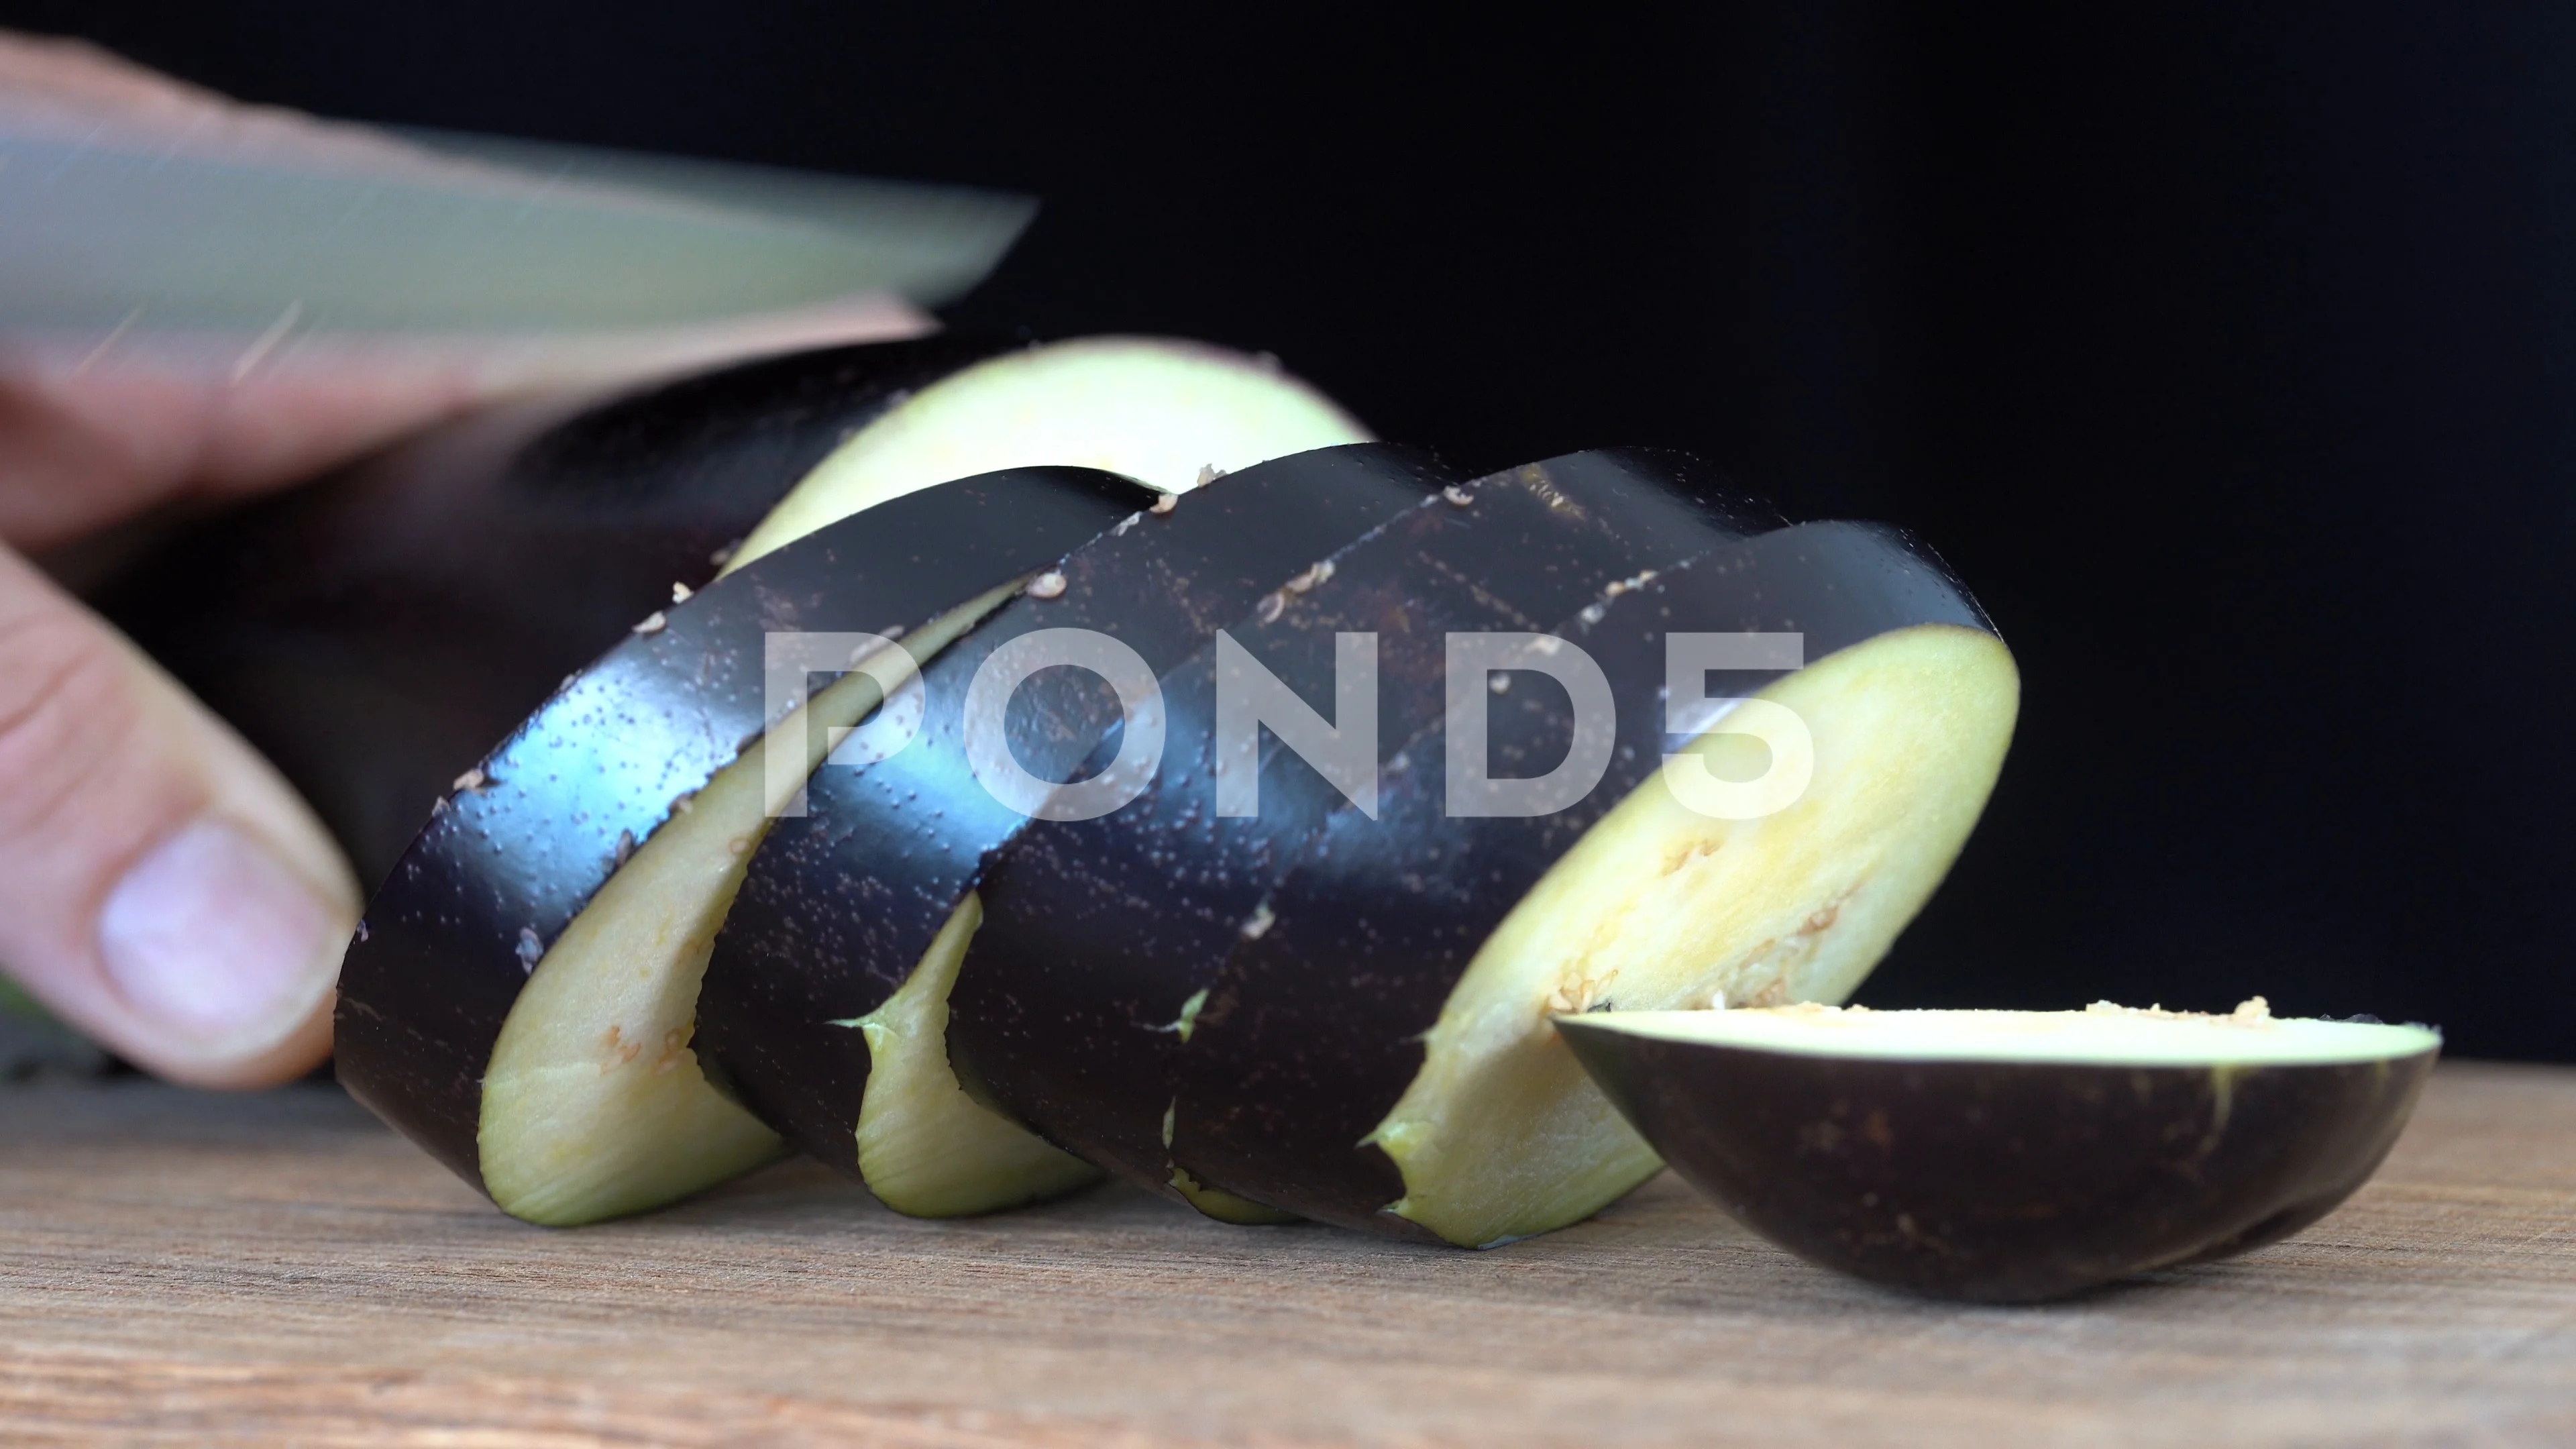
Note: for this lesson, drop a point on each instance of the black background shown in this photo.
(2229, 351)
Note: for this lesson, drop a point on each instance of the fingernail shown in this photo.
(216, 939)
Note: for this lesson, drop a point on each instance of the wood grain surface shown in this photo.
(180, 1268)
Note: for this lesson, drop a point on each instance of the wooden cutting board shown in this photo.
(182, 1268)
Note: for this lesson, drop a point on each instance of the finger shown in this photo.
(160, 887)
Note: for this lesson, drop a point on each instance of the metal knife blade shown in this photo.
(238, 231)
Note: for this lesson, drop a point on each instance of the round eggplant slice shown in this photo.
(376, 633)
(519, 997)
(1376, 1051)
(826, 1000)
(1101, 937)
(2011, 1156)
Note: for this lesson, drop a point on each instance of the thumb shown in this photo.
(160, 887)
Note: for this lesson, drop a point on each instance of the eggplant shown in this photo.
(518, 998)
(825, 1003)
(1376, 1052)
(2007, 1156)
(1100, 937)
(377, 633)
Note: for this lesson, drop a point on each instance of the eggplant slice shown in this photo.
(1100, 936)
(2012, 1156)
(520, 999)
(1377, 1051)
(853, 918)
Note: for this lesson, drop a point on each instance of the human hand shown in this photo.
(161, 887)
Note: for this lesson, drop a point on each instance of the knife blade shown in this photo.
(243, 229)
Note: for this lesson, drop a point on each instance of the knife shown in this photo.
(253, 226)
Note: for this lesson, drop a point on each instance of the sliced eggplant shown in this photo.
(519, 997)
(1377, 1052)
(2012, 1156)
(1100, 936)
(852, 920)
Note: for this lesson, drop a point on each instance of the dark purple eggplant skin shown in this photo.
(839, 906)
(375, 632)
(1096, 933)
(503, 867)
(2004, 1182)
(1312, 1032)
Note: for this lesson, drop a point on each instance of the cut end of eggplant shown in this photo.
(924, 1146)
(1660, 906)
(2102, 1034)
(2010, 1156)
(1168, 413)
